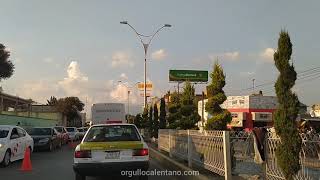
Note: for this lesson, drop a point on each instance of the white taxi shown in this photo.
(13, 142)
(109, 149)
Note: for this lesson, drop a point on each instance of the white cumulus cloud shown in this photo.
(267, 54)
(124, 76)
(230, 56)
(159, 54)
(121, 59)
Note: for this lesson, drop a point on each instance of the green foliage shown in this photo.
(138, 121)
(6, 66)
(216, 96)
(155, 125)
(144, 123)
(70, 106)
(285, 116)
(163, 114)
(174, 111)
(52, 101)
(150, 121)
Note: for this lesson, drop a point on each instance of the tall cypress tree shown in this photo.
(144, 123)
(150, 121)
(162, 117)
(155, 126)
(188, 108)
(216, 96)
(174, 111)
(287, 152)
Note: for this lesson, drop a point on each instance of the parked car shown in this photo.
(63, 134)
(82, 131)
(13, 143)
(73, 133)
(45, 138)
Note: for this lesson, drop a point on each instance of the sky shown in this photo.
(78, 48)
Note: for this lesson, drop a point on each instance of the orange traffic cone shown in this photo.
(26, 163)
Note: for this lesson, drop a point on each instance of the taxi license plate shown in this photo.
(113, 155)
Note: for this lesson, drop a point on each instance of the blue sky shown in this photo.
(79, 48)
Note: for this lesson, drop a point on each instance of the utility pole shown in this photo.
(253, 86)
(128, 101)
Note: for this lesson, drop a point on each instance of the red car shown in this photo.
(63, 134)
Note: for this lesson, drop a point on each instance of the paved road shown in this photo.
(57, 165)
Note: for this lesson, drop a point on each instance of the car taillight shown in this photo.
(82, 154)
(141, 152)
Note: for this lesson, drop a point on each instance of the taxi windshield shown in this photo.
(4, 132)
(112, 133)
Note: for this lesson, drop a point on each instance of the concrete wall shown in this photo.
(42, 115)
(25, 122)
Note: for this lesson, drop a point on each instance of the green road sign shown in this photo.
(188, 75)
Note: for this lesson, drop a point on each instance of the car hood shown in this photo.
(3, 140)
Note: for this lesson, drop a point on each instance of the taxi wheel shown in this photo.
(80, 177)
(6, 159)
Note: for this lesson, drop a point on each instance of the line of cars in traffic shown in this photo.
(14, 140)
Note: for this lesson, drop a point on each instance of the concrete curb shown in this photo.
(176, 165)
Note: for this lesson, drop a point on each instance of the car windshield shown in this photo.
(40, 131)
(59, 129)
(80, 130)
(70, 129)
(112, 133)
(4, 132)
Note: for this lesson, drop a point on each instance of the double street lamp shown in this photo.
(145, 46)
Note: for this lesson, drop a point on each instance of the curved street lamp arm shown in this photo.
(156, 33)
(138, 34)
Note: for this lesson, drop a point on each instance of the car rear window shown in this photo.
(59, 129)
(70, 129)
(4, 132)
(40, 131)
(112, 133)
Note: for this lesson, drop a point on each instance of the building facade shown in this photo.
(247, 111)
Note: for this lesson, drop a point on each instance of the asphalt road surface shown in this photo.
(57, 165)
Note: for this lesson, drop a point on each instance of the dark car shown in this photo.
(45, 138)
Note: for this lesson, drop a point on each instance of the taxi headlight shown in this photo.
(44, 140)
(1, 145)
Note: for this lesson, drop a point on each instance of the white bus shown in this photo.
(104, 113)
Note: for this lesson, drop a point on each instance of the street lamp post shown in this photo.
(145, 47)
(128, 88)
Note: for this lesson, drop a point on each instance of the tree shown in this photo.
(138, 121)
(287, 152)
(144, 122)
(216, 96)
(70, 106)
(163, 115)
(52, 101)
(150, 121)
(155, 125)
(188, 108)
(6, 66)
(174, 111)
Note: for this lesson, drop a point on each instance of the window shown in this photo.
(14, 134)
(264, 116)
(241, 101)
(112, 133)
(234, 102)
(21, 132)
(40, 131)
(234, 115)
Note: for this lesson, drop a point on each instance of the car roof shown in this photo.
(112, 124)
(43, 127)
